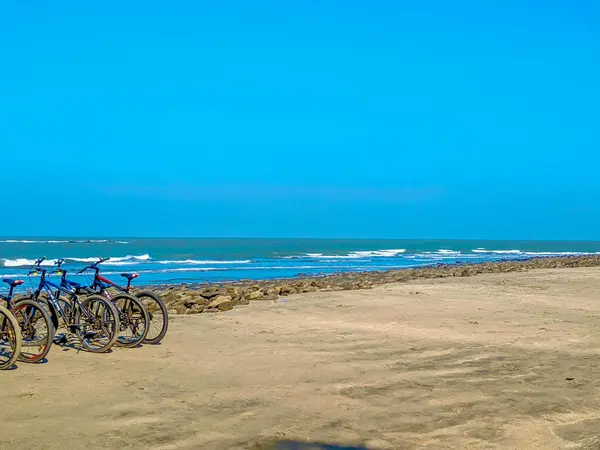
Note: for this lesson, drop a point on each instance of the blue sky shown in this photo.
(467, 119)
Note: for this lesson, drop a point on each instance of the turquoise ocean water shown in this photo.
(213, 260)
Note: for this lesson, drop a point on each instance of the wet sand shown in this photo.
(507, 361)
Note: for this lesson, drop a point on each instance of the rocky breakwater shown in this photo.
(209, 298)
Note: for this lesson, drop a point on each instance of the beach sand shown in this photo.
(508, 361)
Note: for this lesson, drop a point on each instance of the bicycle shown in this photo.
(133, 315)
(93, 320)
(157, 310)
(10, 339)
(35, 324)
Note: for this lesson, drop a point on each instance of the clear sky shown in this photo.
(306, 118)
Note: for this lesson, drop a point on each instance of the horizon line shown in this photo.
(45, 237)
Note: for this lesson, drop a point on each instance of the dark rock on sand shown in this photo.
(210, 292)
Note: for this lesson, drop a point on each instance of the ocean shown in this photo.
(173, 261)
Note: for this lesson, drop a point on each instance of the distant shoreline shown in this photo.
(212, 297)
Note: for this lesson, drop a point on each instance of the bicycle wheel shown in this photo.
(96, 323)
(36, 330)
(10, 339)
(159, 318)
(134, 320)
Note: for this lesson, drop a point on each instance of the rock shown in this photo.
(273, 291)
(241, 301)
(169, 298)
(222, 303)
(210, 292)
(185, 300)
(285, 289)
(202, 301)
(196, 309)
(197, 298)
(171, 312)
(307, 288)
(234, 292)
(254, 295)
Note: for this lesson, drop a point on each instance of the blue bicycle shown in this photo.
(94, 320)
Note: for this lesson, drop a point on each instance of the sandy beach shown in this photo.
(505, 360)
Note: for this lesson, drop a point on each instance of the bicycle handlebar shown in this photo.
(95, 265)
(36, 266)
(58, 270)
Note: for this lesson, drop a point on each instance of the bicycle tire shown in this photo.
(109, 318)
(150, 298)
(29, 332)
(128, 306)
(11, 336)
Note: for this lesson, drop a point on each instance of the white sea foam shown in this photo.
(25, 241)
(481, 251)
(385, 253)
(24, 262)
(144, 257)
(93, 241)
(92, 259)
(560, 253)
(359, 254)
(201, 261)
(13, 276)
(183, 269)
(52, 241)
(127, 260)
(497, 252)
(223, 269)
(443, 256)
(113, 261)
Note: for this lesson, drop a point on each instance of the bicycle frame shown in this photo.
(102, 284)
(75, 287)
(47, 286)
